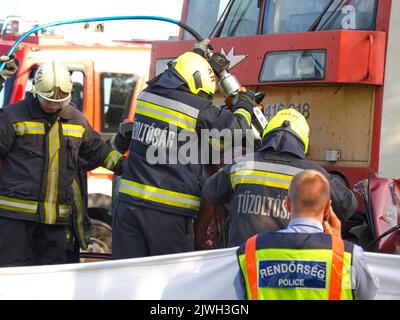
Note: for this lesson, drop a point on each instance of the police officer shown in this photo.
(158, 200)
(41, 138)
(9, 70)
(302, 262)
(256, 186)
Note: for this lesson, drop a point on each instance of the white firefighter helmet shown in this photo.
(52, 82)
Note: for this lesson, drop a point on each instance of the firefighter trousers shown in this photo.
(25, 243)
(141, 232)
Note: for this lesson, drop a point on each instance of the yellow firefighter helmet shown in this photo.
(197, 73)
(292, 121)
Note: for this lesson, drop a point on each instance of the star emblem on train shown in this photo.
(232, 58)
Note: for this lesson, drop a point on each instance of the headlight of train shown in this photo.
(284, 66)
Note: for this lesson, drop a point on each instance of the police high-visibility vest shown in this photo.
(296, 266)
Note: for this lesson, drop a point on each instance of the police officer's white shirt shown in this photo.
(364, 284)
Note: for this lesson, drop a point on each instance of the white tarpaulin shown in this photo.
(206, 275)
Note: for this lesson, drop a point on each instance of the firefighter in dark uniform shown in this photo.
(158, 200)
(257, 185)
(41, 138)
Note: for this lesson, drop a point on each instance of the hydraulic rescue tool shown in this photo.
(230, 87)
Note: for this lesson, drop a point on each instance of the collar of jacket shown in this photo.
(283, 141)
(36, 111)
(169, 79)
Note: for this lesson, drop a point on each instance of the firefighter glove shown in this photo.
(202, 48)
(10, 67)
(248, 96)
(245, 100)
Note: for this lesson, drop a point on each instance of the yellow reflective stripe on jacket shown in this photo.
(268, 179)
(13, 204)
(64, 211)
(298, 293)
(166, 115)
(73, 130)
(180, 107)
(245, 114)
(112, 160)
(263, 173)
(29, 127)
(159, 195)
(50, 206)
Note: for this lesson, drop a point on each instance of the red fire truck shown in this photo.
(332, 60)
(107, 77)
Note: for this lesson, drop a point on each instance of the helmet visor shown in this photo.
(56, 95)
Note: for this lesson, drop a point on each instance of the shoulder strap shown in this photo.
(251, 266)
(335, 288)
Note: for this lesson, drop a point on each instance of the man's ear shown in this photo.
(288, 204)
(327, 209)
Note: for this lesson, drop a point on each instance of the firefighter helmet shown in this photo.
(197, 73)
(292, 121)
(52, 82)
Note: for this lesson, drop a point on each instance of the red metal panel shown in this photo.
(183, 17)
(383, 15)
(351, 55)
(382, 24)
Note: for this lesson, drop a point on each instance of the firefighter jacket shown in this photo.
(256, 187)
(296, 266)
(39, 155)
(165, 112)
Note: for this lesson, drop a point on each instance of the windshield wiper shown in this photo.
(333, 12)
(317, 21)
(216, 31)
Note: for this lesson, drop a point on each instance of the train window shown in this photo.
(78, 85)
(305, 65)
(242, 19)
(116, 97)
(283, 16)
(28, 86)
(203, 15)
